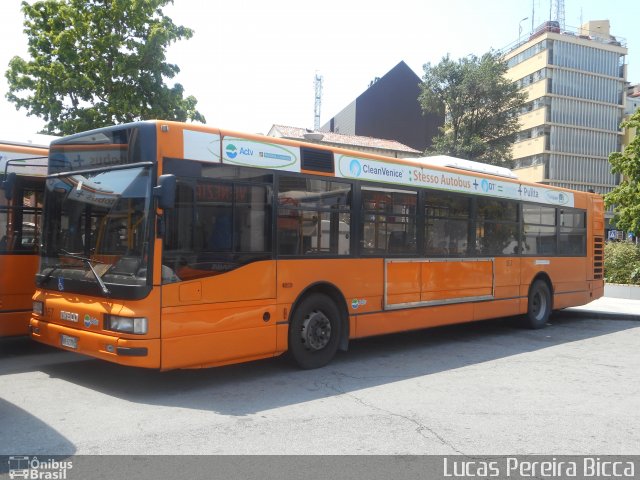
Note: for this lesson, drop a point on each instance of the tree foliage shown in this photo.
(622, 263)
(480, 105)
(98, 62)
(625, 198)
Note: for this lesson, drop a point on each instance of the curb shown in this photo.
(617, 290)
(598, 315)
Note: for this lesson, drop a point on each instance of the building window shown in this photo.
(527, 54)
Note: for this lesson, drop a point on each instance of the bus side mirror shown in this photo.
(165, 192)
(8, 185)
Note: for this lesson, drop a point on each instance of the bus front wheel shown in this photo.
(314, 333)
(539, 305)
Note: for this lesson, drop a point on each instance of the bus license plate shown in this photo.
(67, 341)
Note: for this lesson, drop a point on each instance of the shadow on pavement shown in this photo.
(21, 354)
(253, 387)
(17, 428)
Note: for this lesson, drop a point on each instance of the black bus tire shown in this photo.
(538, 306)
(314, 332)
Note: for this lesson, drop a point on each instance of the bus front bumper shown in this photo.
(135, 353)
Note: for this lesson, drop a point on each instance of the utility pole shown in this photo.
(318, 103)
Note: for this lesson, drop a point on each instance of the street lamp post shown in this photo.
(520, 27)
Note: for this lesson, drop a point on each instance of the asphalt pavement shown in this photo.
(477, 389)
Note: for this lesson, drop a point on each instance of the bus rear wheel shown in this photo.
(539, 305)
(314, 333)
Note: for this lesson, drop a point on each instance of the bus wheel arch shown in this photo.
(539, 302)
(318, 326)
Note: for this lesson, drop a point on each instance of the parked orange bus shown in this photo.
(23, 170)
(170, 245)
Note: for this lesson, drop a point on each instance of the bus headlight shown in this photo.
(38, 307)
(137, 325)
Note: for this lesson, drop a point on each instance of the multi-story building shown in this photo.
(575, 83)
(632, 106)
(389, 108)
(633, 99)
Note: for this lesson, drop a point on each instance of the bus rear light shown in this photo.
(38, 307)
(137, 325)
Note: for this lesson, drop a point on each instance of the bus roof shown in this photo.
(469, 165)
(211, 144)
(37, 140)
(23, 158)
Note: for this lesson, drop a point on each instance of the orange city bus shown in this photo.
(23, 170)
(170, 245)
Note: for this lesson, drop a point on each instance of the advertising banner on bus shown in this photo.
(240, 151)
(419, 176)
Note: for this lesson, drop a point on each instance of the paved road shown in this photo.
(485, 388)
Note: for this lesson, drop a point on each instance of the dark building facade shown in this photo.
(389, 109)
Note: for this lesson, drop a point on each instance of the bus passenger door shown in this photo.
(218, 292)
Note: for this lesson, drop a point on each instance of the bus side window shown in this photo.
(447, 226)
(397, 242)
(216, 226)
(314, 217)
(389, 222)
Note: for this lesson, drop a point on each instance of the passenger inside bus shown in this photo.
(220, 238)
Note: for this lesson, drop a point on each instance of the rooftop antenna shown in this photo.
(558, 7)
(318, 101)
(533, 14)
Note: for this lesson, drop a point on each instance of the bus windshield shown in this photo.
(97, 231)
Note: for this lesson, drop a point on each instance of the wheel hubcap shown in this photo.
(539, 305)
(316, 331)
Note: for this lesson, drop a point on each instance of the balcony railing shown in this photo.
(554, 27)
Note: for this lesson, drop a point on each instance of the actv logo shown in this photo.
(232, 151)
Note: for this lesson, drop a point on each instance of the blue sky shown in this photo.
(252, 63)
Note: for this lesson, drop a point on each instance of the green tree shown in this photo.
(622, 263)
(98, 62)
(480, 105)
(625, 198)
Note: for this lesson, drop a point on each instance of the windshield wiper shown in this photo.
(52, 268)
(89, 263)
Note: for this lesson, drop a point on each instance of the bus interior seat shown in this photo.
(397, 242)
